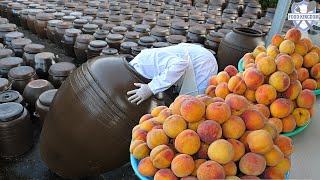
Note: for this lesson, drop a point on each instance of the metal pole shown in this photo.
(279, 18)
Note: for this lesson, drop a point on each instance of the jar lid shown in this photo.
(44, 56)
(18, 6)
(126, 11)
(108, 26)
(90, 11)
(20, 43)
(195, 12)
(58, 14)
(102, 32)
(103, 14)
(115, 8)
(10, 62)
(254, 5)
(10, 111)
(21, 72)
(225, 20)
(138, 15)
(4, 84)
(216, 34)
(230, 11)
(132, 35)
(167, 7)
(160, 44)
(197, 30)
(71, 5)
(66, 12)
(115, 37)
(72, 32)
(115, 18)
(225, 31)
(3, 21)
(147, 39)
(164, 16)
(119, 29)
(181, 13)
(76, 14)
(197, 17)
(9, 96)
(85, 38)
(137, 10)
(64, 25)
(13, 35)
(49, 11)
(98, 44)
(46, 97)
(142, 28)
(34, 48)
(7, 27)
(80, 8)
(44, 16)
(80, 21)
(138, 48)
(250, 16)
(164, 23)
(69, 18)
(128, 23)
(128, 45)
(160, 31)
(176, 39)
(89, 18)
(208, 26)
(90, 27)
(34, 12)
(99, 22)
(150, 18)
(231, 25)
(5, 53)
(263, 22)
(109, 51)
(61, 69)
(41, 7)
(180, 25)
(93, 3)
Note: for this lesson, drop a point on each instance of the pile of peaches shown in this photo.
(205, 138)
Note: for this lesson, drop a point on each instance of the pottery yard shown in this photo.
(159, 89)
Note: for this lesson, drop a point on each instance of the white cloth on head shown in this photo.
(165, 66)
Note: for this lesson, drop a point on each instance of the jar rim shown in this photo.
(248, 31)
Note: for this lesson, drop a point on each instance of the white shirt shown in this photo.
(165, 66)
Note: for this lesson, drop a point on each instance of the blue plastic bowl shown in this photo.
(135, 163)
(240, 65)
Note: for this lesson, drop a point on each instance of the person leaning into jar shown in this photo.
(186, 67)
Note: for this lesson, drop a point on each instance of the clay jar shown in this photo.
(132, 37)
(79, 23)
(21, 76)
(179, 28)
(231, 51)
(119, 30)
(146, 41)
(59, 72)
(15, 130)
(137, 17)
(102, 15)
(213, 40)
(6, 53)
(137, 49)
(5, 84)
(128, 24)
(68, 18)
(115, 20)
(69, 39)
(237, 5)
(18, 46)
(6, 64)
(197, 19)
(33, 90)
(125, 47)
(114, 40)
(43, 104)
(160, 34)
(101, 34)
(196, 34)
(59, 32)
(11, 36)
(30, 50)
(11, 96)
(43, 61)
(95, 48)
(50, 30)
(32, 18)
(41, 24)
(80, 46)
(109, 52)
(150, 20)
(144, 30)
(231, 14)
(176, 39)
(254, 8)
(126, 13)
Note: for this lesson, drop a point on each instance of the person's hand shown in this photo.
(141, 94)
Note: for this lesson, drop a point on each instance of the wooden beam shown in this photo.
(278, 19)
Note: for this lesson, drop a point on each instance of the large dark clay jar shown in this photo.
(88, 128)
(231, 51)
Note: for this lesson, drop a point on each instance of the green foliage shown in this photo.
(268, 3)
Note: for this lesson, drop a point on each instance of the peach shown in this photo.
(287, 47)
(163, 115)
(259, 141)
(301, 116)
(155, 112)
(209, 131)
(135, 128)
(146, 117)
(252, 164)
(197, 163)
(238, 104)
(253, 119)
(146, 167)
(232, 177)
(248, 56)
(273, 173)
(213, 80)
(308, 42)
(306, 99)
(263, 109)
(301, 48)
(249, 177)
(258, 50)
(182, 165)
(237, 85)
(239, 149)
(247, 62)
(187, 142)
(173, 125)
(210, 91)
(218, 99)
(293, 91)
(277, 40)
(161, 156)
(165, 174)
(140, 134)
(194, 126)
(253, 79)
(271, 129)
(293, 35)
(158, 127)
(315, 49)
(250, 95)
(310, 84)
(221, 151)
(297, 60)
(231, 70)
(284, 165)
(230, 168)
(206, 100)
(310, 59)
(265, 94)
(192, 110)
(156, 137)
(311, 111)
(250, 65)
(189, 178)
(303, 74)
(277, 124)
(267, 65)
(318, 83)
(260, 56)
(274, 157)
(315, 71)
(176, 105)
(285, 144)
(222, 77)
(243, 139)
(139, 149)
(233, 128)
(210, 170)
(285, 64)
(219, 112)
(148, 125)
(273, 51)
(222, 90)
(281, 108)
(202, 153)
